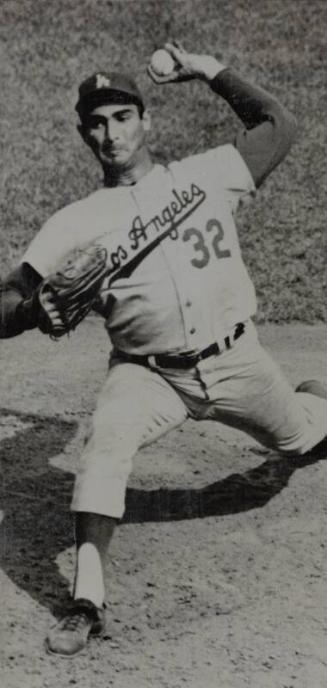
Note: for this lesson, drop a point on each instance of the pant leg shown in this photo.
(135, 407)
(247, 390)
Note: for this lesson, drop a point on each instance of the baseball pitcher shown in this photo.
(156, 253)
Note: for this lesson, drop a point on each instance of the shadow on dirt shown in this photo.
(35, 496)
(35, 499)
(234, 494)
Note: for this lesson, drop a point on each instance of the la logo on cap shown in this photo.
(102, 81)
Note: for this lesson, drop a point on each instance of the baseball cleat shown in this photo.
(313, 387)
(70, 635)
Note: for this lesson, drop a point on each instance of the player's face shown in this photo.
(116, 134)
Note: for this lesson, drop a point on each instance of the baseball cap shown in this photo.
(104, 87)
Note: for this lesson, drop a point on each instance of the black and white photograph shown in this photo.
(163, 344)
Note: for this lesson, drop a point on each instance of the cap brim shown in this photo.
(106, 96)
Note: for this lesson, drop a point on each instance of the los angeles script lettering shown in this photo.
(163, 224)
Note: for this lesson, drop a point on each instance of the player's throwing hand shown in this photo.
(185, 66)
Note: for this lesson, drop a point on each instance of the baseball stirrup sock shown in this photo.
(89, 583)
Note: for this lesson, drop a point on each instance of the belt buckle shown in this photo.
(152, 361)
(191, 359)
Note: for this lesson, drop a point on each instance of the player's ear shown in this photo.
(146, 119)
(84, 133)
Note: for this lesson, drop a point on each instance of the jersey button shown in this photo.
(188, 303)
(192, 330)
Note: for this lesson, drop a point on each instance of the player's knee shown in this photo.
(314, 387)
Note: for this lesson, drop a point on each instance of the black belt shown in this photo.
(183, 361)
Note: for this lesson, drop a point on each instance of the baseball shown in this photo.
(162, 62)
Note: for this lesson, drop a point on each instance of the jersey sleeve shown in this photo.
(50, 245)
(230, 174)
(225, 172)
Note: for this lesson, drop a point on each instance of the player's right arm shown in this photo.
(21, 303)
(18, 302)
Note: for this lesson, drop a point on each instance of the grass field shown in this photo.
(47, 48)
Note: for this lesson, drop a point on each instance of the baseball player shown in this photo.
(177, 306)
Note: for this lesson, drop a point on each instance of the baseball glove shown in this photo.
(72, 289)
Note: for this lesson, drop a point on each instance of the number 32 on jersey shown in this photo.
(206, 246)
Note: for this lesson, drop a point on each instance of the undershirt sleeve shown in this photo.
(270, 128)
(17, 313)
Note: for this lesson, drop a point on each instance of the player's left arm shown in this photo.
(269, 128)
